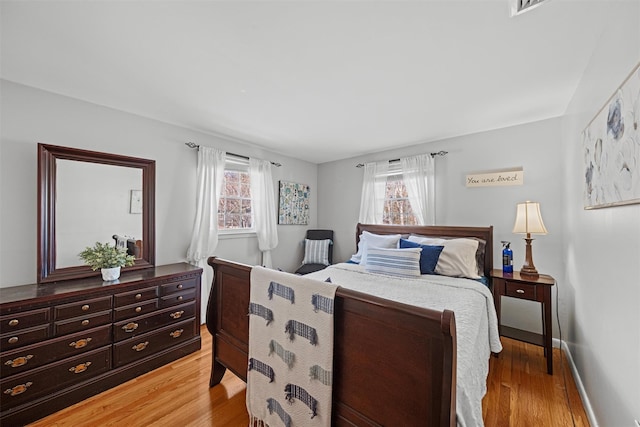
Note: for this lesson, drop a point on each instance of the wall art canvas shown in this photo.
(294, 203)
(612, 149)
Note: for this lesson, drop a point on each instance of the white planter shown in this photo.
(109, 274)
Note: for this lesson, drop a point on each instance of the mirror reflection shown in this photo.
(96, 203)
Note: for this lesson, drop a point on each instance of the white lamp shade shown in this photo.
(528, 219)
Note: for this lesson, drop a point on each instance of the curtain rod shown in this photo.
(194, 145)
(439, 153)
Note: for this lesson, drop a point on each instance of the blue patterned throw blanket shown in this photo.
(290, 368)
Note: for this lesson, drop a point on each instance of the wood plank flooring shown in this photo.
(520, 393)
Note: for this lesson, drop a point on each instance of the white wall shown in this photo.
(534, 147)
(30, 116)
(602, 281)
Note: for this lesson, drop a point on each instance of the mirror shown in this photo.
(88, 196)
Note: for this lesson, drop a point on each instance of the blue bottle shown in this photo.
(507, 258)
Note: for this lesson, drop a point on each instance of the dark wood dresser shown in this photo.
(61, 343)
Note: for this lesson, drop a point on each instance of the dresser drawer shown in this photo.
(81, 323)
(135, 310)
(177, 286)
(24, 337)
(135, 297)
(177, 298)
(41, 381)
(32, 356)
(81, 308)
(140, 325)
(520, 290)
(23, 320)
(151, 343)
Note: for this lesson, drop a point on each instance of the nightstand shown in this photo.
(532, 288)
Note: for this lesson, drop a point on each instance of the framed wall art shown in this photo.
(293, 206)
(612, 149)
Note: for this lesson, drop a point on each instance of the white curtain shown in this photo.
(419, 176)
(263, 203)
(204, 238)
(374, 185)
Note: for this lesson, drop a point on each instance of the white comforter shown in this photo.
(476, 322)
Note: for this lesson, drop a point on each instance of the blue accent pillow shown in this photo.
(395, 262)
(428, 257)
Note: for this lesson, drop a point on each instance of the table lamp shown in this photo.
(529, 221)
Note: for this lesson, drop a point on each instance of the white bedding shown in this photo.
(476, 322)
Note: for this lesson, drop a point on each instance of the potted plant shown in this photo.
(107, 258)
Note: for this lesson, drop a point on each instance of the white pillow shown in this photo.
(458, 258)
(394, 262)
(316, 251)
(370, 240)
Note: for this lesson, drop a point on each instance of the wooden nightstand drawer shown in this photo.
(520, 290)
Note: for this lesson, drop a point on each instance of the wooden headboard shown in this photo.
(484, 233)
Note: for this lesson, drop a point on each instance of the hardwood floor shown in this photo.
(520, 393)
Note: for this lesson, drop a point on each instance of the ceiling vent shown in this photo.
(516, 7)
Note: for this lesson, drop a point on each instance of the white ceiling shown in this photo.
(315, 80)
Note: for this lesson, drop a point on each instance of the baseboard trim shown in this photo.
(562, 345)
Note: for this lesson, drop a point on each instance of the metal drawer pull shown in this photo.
(177, 314)
(141, 346)
(79, 368)
(13, 340)
(13, 322)
(176, 333)
(130, 327)
(520, 291)
(138, 309)
(18, 361)
(180, 286)
(180, 298)
(19, 389)
(85, 307)
(138, 296)
(80, 343)
(85, 322)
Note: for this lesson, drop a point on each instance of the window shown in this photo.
(398, 192)
(397, 208)
(234, 208)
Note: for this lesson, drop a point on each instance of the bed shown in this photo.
(394, 363)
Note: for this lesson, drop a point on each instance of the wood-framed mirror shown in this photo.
(88, 196)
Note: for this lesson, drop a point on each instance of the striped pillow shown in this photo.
(394, 262)
(316, 251)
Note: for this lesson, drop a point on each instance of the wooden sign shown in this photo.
(493, 179)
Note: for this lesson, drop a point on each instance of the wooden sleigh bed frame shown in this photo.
(394, 364)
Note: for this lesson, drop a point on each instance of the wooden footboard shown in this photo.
(394, 364)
